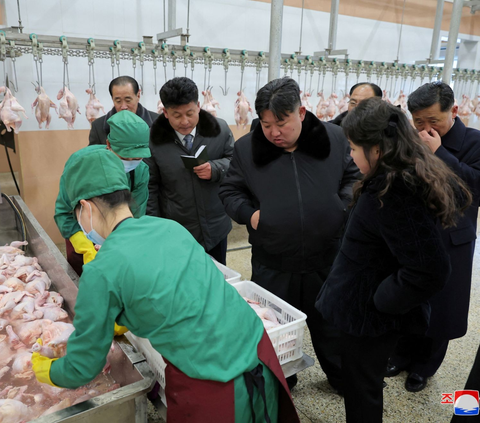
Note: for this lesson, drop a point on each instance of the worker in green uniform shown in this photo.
(128, 139)
(153, 277)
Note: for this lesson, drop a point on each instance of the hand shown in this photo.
(204, 171)
(119, 330)
(83, 246)
(41, 366)
(255, 219)
(431, 138)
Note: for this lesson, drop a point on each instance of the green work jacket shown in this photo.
(64, 217)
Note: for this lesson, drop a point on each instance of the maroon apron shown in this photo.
(199, 401)
(74, 259)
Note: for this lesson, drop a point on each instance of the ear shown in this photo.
(109, 147)
(165, 113)
(302, 110)
(138, 94)
(454, 111)
(375, 152)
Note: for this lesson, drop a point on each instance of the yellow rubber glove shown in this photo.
(84, 246)
(119, 330)
(41, 366)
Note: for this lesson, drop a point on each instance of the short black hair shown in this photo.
(124, 80)
(280, 96)
(178, 91)
(429, 94)
(376, 89)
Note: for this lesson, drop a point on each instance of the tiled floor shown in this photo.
(316, 402)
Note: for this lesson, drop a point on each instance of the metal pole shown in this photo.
(434, 50)
(172, 15)
(332, 32)
(275, 55)
(452, 40)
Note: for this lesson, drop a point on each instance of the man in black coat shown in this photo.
(290, 182)
(435, 116)
(125, 94)
(190, 196)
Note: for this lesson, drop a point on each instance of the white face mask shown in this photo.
(93, 235)
(130, 165)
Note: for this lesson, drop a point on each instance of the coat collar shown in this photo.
(453, 139)
(162, 132)
(313, 141)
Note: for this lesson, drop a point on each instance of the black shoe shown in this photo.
(392, 370)
(292, 382)
(415, 382)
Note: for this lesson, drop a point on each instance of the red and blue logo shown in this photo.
(466, 403)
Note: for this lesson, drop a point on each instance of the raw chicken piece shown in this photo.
(14, 339)
(466, 108)
(7, 249)
(4, 289)
(343, 105)
(477, 106)
(209, 102)
(12, 411)
(14, 283)
(17, 244)
(54, 299)
(22, 365)
(305, 101)
(42, 106)
(29, 332)
(332, 106)
(3, 324)
(56, 333)
(52, 313)
(401, 101)
(10, 300)
(242, 107)
(160, 107)
(3, 371)
(37, 282)
(385, 97)
(68, 106)
(93, 107)
(5, 351)
(24, 271)
(322, 105)
(27, 305)
(10, 111)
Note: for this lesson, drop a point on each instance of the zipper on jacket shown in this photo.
(299, 193)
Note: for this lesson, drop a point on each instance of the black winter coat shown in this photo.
(176, 192)
(302, 196)
(460, 150)
(392, 260)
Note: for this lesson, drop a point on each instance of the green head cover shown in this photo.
(129, 135)
(91, 172)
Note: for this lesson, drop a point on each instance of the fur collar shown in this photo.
(162, 132)
(313, 141)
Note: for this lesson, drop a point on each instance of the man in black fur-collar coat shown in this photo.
(290, 182)
(190, 196)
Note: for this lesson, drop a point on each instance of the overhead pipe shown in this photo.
(452, 40)
(332, 32)
(275, 56)
(435, 49)
(172, 15)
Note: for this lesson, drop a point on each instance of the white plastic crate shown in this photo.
(231, 276)
(287, 339)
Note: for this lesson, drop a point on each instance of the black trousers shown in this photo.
(420, 354)
(363, 366)
(473, 383)
(300, 290)
(219, 252)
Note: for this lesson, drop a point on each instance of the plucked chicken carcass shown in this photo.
(476, 103)
(402, 102)
(93, 107)
(160, 107)
(29, 312)
(68, 106)
(466, 107)
(242, 107)
(321, 106)
(332, 106)
(305, 101)
(209, 102)
(42, 106)
(10, 110)
(343, 105)
(385, 97)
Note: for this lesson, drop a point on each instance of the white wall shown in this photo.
(236, 24)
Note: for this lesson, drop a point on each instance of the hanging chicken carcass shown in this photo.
(209, 102)
(93, 107)
(242, 107)
(322, 105)
(68, 106)
(332, 106)
(10, 110)
(305, 102)
(42, 106)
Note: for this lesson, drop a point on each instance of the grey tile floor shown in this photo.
(316, 402)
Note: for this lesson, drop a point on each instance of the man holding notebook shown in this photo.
(183, 187)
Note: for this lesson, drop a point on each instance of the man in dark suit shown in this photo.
(125, 94)
(435, 116)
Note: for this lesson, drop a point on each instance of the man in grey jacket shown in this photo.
(190, 196)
